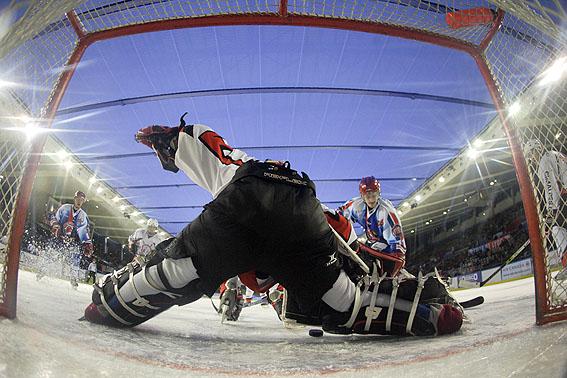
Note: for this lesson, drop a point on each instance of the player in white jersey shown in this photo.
(381, 224)
(144, 240)
(265, 217)
(552, 173)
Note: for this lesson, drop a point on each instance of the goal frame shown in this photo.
(543, 312)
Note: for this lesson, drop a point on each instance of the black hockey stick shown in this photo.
(510, 259)
(473, 302)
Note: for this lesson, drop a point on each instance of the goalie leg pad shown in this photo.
(135, 293)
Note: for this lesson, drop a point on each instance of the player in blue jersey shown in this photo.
(70, 225)
(381, 224)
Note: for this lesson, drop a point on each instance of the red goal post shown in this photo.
(514, 44)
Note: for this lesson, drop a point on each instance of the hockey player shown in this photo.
(144, 240)
(70, 224)
(381, 224)
(552, 172)
(269, 216)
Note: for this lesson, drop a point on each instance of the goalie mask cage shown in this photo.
(516, 46)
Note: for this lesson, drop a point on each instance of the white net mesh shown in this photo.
(37, 48)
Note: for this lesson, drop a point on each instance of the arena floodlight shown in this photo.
(555, 72)
(417, 198)
(473, 153)
(514, 109)
(68, 164)
(62, 154)
(441, 179)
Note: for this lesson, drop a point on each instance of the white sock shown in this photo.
(341, 295)
(178, 272)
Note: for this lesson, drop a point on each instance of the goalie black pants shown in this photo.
(264, 225)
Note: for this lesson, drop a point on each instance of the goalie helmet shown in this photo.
(369, 184)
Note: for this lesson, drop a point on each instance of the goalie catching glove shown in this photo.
(163, 140)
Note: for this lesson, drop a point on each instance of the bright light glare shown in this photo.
(141, 222)
(441, 179)
(68, 164)
(122, 207)
(136, 213)
(406, 204)
(7, 84)
(31, 129)
(400, 212)
(99, 189)
(92, 180)
(62, 154)
(555, 72)
(116, 199)
(473, 153)
(477, 143)
(514, 108)
(558, 135)
(418, 198)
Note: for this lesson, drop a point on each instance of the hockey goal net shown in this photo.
(518, 47)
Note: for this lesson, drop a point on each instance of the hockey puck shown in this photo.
(315, 332)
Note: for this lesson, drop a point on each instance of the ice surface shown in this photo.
(47, 340)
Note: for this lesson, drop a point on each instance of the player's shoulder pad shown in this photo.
(387, 203)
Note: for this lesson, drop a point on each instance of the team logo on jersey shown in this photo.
(219, 147)
(397, 231)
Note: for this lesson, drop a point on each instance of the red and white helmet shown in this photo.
(369, 184)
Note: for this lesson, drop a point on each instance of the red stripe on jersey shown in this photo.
(218, 147)
(394, 217)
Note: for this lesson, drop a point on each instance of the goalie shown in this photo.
(270, 217)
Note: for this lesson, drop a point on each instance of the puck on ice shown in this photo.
(315, 332)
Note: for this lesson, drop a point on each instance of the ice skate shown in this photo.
(231, 303)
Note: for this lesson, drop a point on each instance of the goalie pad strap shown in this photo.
(109, 310)
(121, 300)
(356, 307)
(139, 298)
(420, 285)
(395, 284)
(371, 312)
